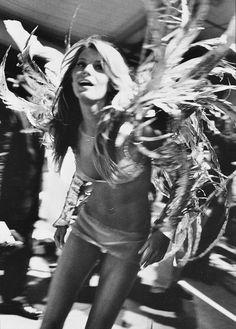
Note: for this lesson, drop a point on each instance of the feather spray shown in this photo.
(180, 88)
(34, 111)
(42, 92)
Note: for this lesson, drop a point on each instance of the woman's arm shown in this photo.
(154, 249)
(77, 194)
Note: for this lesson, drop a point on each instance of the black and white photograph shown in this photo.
(117, 164)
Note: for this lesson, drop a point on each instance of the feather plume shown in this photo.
(182, 90)
(42, 92)
(16, 103)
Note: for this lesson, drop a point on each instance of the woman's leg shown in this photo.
(116, 280)
(77, 260)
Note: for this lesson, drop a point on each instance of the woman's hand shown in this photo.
(154, 249)
(59, 236)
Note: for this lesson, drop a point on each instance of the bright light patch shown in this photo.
(125, 131)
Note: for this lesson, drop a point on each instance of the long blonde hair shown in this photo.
(67, 114)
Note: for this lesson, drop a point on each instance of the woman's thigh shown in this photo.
(116, 280)
(76, 262)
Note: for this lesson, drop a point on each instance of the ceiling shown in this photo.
(121, 21)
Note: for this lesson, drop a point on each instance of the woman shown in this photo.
(115, 220)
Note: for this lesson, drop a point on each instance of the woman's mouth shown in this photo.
(85, 83)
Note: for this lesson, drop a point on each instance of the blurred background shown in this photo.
(203, 295)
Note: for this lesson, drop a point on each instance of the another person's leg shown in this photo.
(17, 263)
(15, 271)
(77, 260)
(116, 280)
(14, 281)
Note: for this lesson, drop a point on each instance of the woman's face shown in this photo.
(89, 81)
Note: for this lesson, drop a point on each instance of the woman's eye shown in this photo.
(98, 67)
(81, 65)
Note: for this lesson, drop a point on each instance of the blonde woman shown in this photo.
(115, 219)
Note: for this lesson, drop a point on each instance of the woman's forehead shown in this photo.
(90, 53)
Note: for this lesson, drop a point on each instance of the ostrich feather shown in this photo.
(42, 92)
(34, 111)
(182, 89)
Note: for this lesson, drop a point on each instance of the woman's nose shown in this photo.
(88, 68)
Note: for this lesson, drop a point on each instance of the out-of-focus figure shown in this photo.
(21, 161)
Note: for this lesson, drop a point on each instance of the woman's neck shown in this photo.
(88, 127)
(91, 115)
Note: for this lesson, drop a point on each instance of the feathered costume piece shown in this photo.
(41, 89)
(181, 89)
(168, 88)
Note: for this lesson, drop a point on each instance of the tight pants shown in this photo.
(75, 265)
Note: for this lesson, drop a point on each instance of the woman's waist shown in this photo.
(107, 232)
(120, 197)
(131, 216)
